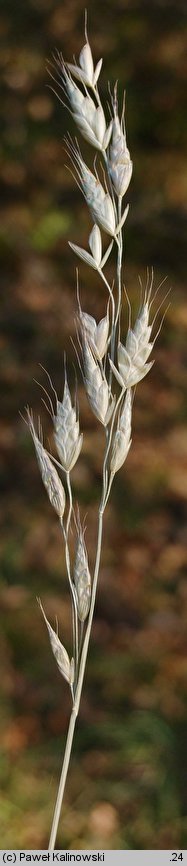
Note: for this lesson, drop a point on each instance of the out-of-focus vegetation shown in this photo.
(127, 783)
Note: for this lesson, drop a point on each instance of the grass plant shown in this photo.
(111, 364)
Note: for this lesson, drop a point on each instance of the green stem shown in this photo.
(62, 783)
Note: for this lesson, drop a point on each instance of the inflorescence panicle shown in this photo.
(105, 361)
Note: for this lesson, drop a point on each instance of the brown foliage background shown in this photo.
(127, 783)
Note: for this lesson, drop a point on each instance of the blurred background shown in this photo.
(127, 781)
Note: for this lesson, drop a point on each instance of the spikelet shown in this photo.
(97, 335)
(49, 474)
(95, 244)
(120, 164)
(89, 118)
(122, 438)
(100, 203)
(65, 667)
(85, 71)
(132, 357)
(95, 259)
(98, 200)
(99, 395)
(67, 435)
(81, 575)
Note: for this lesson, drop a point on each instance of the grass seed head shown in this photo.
(95, 244)
(132, 358)
(85, 71)
(49, 474)
(96, 385)
(82, 577)
(122, 438)
(97, 335)
(98, 199)
(89, 118)
(120, 164)
(65, 667)
(67, 435)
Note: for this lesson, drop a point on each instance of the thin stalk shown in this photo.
(73, 600)
(81, 638)
(63, 777)
(97, 96)
(109, 489)
(68, 566)
(115, 317)
(70, 503)
(102, 275)
(119, 265)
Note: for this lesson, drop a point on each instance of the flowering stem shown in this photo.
(106, 206)
(119, 264)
